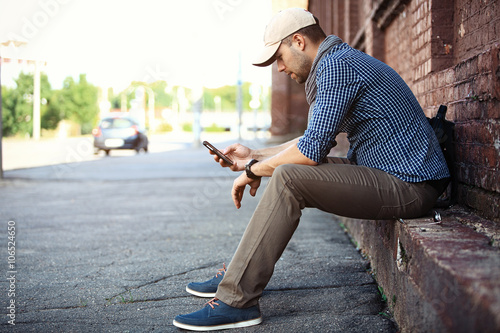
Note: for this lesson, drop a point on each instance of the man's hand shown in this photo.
(239, 188)
(238, 153)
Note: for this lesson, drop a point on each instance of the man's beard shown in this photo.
(303, 65)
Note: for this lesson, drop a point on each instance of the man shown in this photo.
(394, 167)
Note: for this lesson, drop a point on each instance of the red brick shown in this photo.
(470, 133)
(459, 173)
(448, 94)
(485, 35)
(495, 56)
(493, 110)
(490, 181)
(484, 85)
(432, 99)
(441, 5)
(491, 32)
(441, 79)
(463, 172)
(460, 108)
(473, 22)
(480, 200)
(472, 66)
(477, 155)
(461, 133)
(484, 62)
(491, 159)
(475, 7)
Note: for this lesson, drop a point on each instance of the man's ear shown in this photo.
(299, 41)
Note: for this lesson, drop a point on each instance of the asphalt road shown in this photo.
(108, 245)
(25, 153)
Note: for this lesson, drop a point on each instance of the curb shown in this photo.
(437, 277)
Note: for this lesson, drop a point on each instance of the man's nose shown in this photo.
(281, 66)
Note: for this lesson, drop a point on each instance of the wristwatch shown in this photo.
(248, 171)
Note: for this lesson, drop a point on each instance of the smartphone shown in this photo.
(217, 152)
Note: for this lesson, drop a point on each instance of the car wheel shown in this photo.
(107, 152)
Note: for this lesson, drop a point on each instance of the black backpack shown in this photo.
(444, 130)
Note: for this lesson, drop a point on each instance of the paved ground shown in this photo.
(109, 245)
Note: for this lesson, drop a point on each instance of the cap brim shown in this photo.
(266, 57)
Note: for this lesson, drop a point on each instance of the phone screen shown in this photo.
(217, 152)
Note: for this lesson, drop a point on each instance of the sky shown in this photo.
(114, 42)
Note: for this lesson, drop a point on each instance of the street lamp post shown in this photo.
(239, 98)
(36, 102)
(151, 105)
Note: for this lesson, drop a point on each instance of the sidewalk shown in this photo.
(101, 250)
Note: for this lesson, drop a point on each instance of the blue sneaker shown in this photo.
(207, 288)
(217, 315)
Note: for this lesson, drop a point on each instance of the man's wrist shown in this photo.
(248, 169)
(255, 155)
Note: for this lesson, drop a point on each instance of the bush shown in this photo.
(215, 128)
(187, 127)
(164, 127)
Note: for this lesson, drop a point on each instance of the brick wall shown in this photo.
(459, 68)
(448, 53)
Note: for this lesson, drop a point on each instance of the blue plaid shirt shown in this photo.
(386, 127)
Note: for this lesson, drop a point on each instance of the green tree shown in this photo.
(17, 104)
(11, 122)
(228, 96)
(78, 101)
(114, 99)
(52, 114)
(162, 98)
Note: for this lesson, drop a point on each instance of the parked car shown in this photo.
(119, 132)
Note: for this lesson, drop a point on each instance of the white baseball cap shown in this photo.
(283, 24)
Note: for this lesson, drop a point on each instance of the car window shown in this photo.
(106, 123)
(121, 123)
(116, 123)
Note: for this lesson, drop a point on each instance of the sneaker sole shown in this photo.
(240, 324)
(200, 294)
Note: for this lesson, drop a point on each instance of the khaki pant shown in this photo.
(337, 187)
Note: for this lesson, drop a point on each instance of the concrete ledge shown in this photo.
(441, 277)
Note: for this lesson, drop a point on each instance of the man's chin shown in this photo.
(300, 80)
(297, 79)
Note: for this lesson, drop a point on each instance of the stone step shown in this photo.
(437, 277)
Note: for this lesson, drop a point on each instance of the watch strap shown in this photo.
(248, 169)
